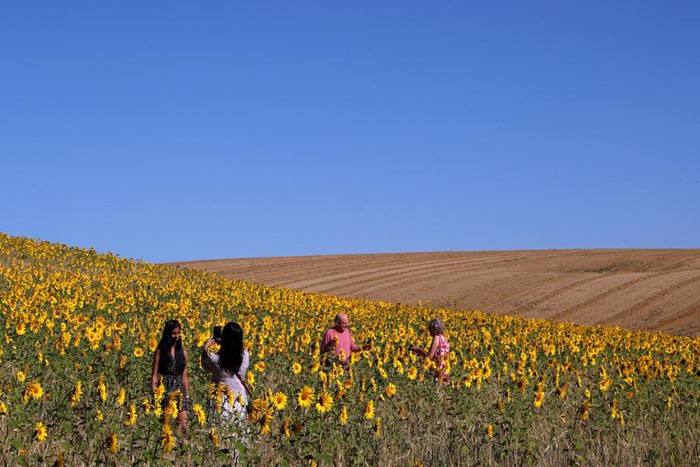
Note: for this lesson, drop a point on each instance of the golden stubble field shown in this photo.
(655, 290)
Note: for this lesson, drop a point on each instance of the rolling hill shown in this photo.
(655, 290)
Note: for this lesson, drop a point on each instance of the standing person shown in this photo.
(229, 366)
(170, 363)
(338, 341)
(439, 348)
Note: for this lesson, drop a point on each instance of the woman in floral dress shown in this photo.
(439, 349)
(170, 366)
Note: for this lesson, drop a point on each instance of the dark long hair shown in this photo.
(231, 351)
(166, 342)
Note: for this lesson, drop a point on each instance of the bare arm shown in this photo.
(353, 346)
(417, 350)
(154, 375)
(358, 348)
(185, 380)
(434, 346)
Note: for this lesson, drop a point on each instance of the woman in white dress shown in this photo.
(229, 366)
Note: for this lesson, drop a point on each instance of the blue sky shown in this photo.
(179, 130)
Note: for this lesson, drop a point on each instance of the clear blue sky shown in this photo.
(193, 130)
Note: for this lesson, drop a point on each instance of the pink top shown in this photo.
(345, 341)
(442, 351)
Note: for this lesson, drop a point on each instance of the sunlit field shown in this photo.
(79, 329)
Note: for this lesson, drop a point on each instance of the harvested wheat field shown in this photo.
(656, 290)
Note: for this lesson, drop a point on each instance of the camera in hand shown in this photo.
(217, 333)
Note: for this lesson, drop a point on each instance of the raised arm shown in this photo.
(204, 356)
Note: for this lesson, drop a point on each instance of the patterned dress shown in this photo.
(172, 381)
(440, 357)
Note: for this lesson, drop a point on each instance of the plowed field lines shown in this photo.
(643, 289)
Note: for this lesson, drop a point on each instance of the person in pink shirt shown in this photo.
(439, 349)
(338, 341)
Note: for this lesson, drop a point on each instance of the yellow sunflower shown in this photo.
(369, 410)
(279, 400)
(113, 443)
(40, 432)
(306, 397)
(325, 402)
(343, 417)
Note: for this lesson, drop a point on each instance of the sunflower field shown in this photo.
(78, 330)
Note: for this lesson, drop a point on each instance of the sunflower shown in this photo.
(171, 407)
(199, 413)
(77, 393)
(33, 391)
(296, 368)
(101, 388)
(279, 400)
(539, 399)
(214, 436)
(132, 416)
(121, 398)
(489, 430)
(412, 373)
(40, 432)
(343, 417)
(167, 439)
(113, 442)
(146, 404)
(230, 396)
(390, 390)
(369, 410)
(266, 419)
(21, 376)
(138, 352)
(585, 410)
(614, 413)
(562, 390)
(3, 409)
(306, 397)
(325, 402)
